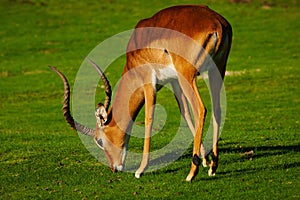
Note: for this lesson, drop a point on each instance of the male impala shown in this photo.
(173, 46)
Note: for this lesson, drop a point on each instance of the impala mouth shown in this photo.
(113, 167)
(117, 168)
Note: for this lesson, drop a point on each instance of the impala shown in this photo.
(173, 46)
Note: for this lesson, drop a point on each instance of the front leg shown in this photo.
(150, 98)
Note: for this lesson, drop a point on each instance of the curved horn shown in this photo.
(106, 84)
(66, 107)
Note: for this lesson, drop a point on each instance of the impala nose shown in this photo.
(118, 168)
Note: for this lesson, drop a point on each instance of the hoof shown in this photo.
(205, 163)
(189, 177)
(137, 174)
(211, 173)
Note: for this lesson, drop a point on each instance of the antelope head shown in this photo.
(115, 151)
(115, 154)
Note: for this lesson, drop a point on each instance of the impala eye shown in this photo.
(100, 143)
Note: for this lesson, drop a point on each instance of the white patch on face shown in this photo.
(119, 168)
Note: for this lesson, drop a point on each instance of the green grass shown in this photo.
(41, 158)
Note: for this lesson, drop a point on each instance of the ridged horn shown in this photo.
(106, 84)
(66, 107)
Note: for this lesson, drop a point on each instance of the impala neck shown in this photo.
(125, 108)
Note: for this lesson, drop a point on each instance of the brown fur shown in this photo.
(196, 22)
(177, 40)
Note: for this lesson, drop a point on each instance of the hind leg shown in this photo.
(192, 94)
(185, 111)
(215, 82)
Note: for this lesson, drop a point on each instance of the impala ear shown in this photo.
(101, 115)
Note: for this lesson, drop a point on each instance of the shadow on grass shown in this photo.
(261, 151)
(255, 153)
(281, 148)
(259, 169)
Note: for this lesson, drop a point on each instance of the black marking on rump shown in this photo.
(200, 54)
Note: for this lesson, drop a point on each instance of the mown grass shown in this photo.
(41, 158)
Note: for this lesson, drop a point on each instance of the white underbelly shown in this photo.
(164, 75)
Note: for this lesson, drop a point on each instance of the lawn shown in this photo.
(42, 158)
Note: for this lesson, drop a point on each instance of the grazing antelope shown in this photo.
(173, 46)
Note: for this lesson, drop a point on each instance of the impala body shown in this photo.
(173, 46)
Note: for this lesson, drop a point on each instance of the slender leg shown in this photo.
(183, 105)
(193, 96)
(185, 111)
(215, 82)
(150, 98)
